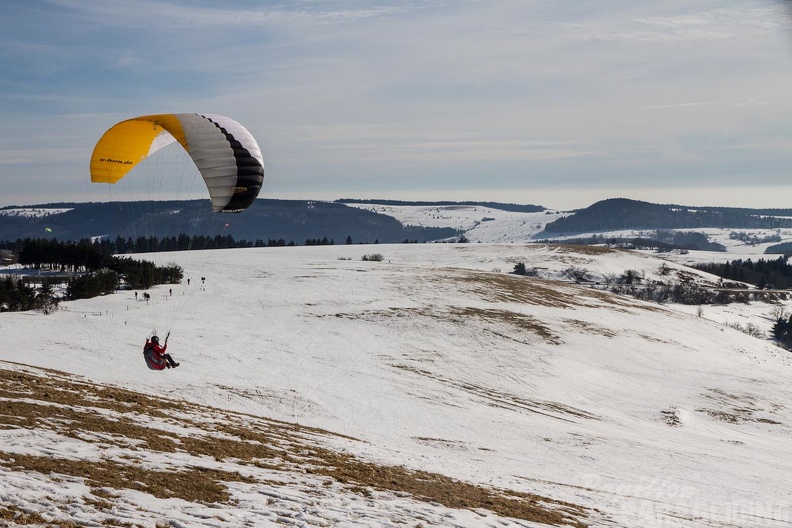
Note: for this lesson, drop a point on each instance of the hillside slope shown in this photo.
(291, 220)
(617, 412)
(620, 213)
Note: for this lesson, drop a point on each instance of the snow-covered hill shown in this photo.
(487, 224)
(590, 408)
(480, 223)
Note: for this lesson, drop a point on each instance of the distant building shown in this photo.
(7, 257)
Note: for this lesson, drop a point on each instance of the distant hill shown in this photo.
(515, 208)
(291, 220)
(784, 248)
(620, 213)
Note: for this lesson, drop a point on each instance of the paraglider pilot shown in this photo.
(155, 355)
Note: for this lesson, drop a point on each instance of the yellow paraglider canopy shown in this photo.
(225, 153)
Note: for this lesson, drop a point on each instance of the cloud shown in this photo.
(149, 14)
(743, 101)
(344, 91)
(695, 24)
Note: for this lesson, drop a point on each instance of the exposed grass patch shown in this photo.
(455, 494)
(584, 250)
(501, 287)
(591, 328)
(19, 517)
(671, 417)
(108, 417)
(388, 313)
(521, 322)
(735, 408)
(194, 485)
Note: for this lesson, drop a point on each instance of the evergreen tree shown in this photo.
(782, 331)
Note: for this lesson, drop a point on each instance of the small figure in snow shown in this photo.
(155, 355)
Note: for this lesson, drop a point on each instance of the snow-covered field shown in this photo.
(33, 212)
(480, 223)
(612, 411)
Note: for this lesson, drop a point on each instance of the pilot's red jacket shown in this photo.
(153, 353)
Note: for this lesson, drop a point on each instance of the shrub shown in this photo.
(750, 329)
(630, 277)
(576, 274)
(91, 285)
(782, 331)
(376, 257)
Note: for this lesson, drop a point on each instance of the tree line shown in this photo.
(16, 296)
(77, 251)
(93, 271)
(770, 274)
(77, 256)
(183, 242)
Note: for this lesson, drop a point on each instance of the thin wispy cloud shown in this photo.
(726, 103)
(157, 13)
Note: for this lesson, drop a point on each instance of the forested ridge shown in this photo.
(290, 220)
(516, 208)
(620, 213)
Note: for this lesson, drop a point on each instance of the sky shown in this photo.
(553, 103)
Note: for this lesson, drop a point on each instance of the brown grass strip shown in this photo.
(193, 485)
(68, 407)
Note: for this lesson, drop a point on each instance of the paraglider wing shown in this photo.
(227, 156)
